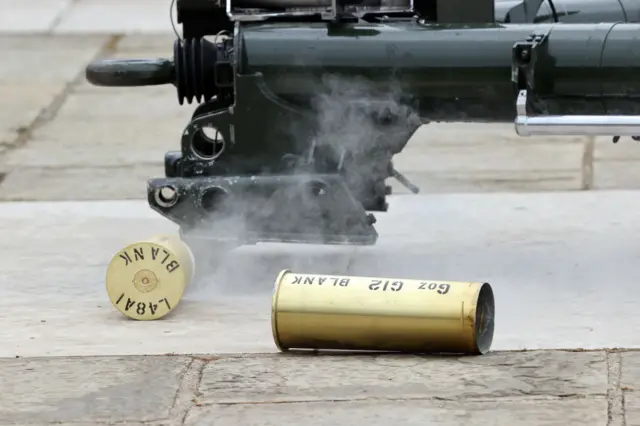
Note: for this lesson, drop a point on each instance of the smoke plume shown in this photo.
(356, 125)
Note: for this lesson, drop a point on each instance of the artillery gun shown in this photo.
(311, 99)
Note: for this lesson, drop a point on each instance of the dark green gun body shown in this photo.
(455, 73)
(311, 114)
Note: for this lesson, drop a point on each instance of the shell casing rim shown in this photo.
(170, 287)
(274, 310)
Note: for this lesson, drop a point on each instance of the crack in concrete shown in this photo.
(587, 164)
(61, 15)
(615, 406)
(510, 398)
(184, 379)
(49, 112)
(188, 393)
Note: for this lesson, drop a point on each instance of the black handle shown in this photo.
(130, 72)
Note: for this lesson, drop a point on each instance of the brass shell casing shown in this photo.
(381, 314)
(146, 280)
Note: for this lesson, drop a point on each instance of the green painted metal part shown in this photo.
(455, 73)
(303, 100)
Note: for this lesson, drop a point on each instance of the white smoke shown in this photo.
(355, 122)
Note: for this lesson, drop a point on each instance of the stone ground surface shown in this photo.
(549, 222)
(563, 268)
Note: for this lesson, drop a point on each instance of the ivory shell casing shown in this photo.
(146, 280)
(381, 314)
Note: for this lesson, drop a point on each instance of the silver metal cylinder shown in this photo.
(576, 125)
(573, 125)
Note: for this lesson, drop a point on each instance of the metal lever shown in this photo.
(404, 181)
(573, 125)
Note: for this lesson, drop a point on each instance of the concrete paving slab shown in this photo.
(466, 134)
(534, 388)
(625, 150)
(116, 16)
(29, 16)
(90, 390)
(270, 389)
(615, 166)
(488, 157)
(461, 181)
(544, 412)
(141, 103)
(37, 59)
(421, 155)
(38, 73)
(20, 105)
(100, 144)
(632, 409)
(563, 267)
(630, 387)
(616, 174)
(87, 183)
(131, 44)
(304, 378)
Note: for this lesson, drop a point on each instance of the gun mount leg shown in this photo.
(274, 208)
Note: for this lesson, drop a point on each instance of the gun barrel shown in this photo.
(130, 72)
(456, 72)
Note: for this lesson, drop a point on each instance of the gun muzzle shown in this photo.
(131, 72)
